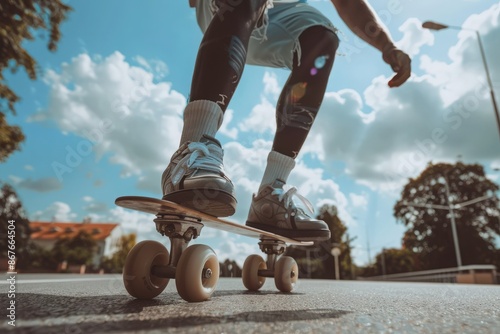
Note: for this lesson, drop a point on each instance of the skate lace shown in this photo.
(197, 156)
(287, 198)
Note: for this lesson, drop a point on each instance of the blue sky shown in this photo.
(104, 116)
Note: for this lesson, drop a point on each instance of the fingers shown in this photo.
(400, 63)
(403, 73)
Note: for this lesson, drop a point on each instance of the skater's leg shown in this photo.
(300, 100)
(303, 93)
(272, 208)
(219, 65)
(223, 50)
(195, 176)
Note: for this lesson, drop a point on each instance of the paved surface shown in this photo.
(99, 304)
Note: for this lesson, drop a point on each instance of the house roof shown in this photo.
(60, 230)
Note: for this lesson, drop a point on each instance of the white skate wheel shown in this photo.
(286, 274)
(251, 279)
(197, 273)
(137, 277)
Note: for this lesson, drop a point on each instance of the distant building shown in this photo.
(107, 235)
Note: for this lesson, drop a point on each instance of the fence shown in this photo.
(476, 274)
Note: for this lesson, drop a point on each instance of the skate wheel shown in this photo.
(197, 273)
(286, 274)
(137, 277)
(251, 279)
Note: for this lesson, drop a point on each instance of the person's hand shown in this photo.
(400, 63)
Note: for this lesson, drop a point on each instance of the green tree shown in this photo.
(395, 261)
(318, 261)
(41, 260)
(20, 19)
(115, 263)
(429, 230)
(11, 209)
(78, 250)
(11, 137)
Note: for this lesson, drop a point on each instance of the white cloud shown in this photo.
(313, 146)
(87, 199)
(57, 211)
(271, 86)
(443, 113)
(225, 129)
(245, 166)
(358, 201)
(139, 222)
(155, 66)
(237, 249)
(414, 37)
(130, 221)
(261, 118)
(118, 110)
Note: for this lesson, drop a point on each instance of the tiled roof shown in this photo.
(59, 230)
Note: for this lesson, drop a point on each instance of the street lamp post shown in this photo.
(336, 252)
(438, 26)
(450, 207)
(453, 225)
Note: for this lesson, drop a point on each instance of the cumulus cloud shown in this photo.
(57, 211)
(388, 135)
(261, 118)
(358, 201)
(237, 249)
(94, 206)
(258, 120)
(117, 109)
(414, 37)
(245, 166)
(271, 86)
(225, 129)
(155, 66)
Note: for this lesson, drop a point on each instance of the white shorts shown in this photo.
(275, 41)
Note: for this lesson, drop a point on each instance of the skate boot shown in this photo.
(273, 210)
(195, 178)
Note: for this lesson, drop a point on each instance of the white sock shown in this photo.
(278, 166)
(202, 117)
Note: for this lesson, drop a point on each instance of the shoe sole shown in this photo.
(300, 235)
(214, 202)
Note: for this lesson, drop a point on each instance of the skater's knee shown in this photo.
(318, 41)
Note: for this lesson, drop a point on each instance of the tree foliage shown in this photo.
(429, 231)
(11, 138)
(20, 19)
(115, 263)
(78, 250)
(395, 261)
(321, 263)
(11, 209)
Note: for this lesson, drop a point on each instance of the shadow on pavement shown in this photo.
(81, 310)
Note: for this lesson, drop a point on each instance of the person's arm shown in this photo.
(361, 19)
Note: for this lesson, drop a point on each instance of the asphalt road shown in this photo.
(99, 304)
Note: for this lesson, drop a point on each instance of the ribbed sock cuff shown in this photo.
(202, 117)
(279, 166)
